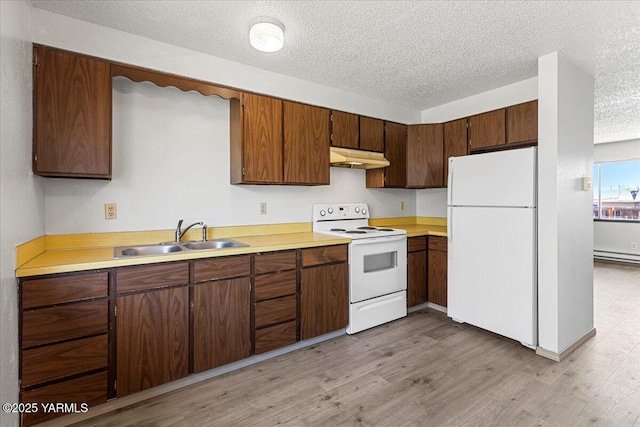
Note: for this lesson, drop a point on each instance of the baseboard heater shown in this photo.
(616, 256)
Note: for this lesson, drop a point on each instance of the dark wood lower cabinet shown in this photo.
(417, 278)
(222, 323)
(437, 270)
(324, 300)
(152, 339)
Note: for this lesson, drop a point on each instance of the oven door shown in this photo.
(378, 267)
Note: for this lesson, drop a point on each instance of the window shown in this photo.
(615, 191)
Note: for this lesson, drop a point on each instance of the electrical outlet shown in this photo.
(110, 211)
(402, 205)
(634, 245)
(263, 208)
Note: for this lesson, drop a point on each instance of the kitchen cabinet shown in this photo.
(486, 130)
(324, 290)
(275, 306)
(455, 142)
(258, 148)
(522, 123)
(72, 115)
(437, 270)
(424, 158)
(345, 130)
(372, 134)
(306, 144)
(64, 341)
(416, 271)
(152, 326)
(395, 150)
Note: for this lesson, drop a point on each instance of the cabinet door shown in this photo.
(324, 300)
(437, 277)
(522, 122)
(371, 134)
(395, 150)
(262, 139)
(152, 339)
(222, 325)
(455, 142)
(72, 102)
(306, 144)
(344, 130)
(417, 278)
(487, 129)
(425, 156)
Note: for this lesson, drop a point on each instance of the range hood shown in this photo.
(357, 159)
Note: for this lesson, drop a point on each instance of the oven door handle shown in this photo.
(379, 239)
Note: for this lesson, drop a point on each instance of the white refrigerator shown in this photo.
(492, 263)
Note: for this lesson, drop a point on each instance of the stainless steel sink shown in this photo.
(214, 244)
(170, 247)
(145, 250)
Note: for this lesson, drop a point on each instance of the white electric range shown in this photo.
(377, 264)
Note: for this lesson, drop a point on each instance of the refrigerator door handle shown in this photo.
(450, 225)
(450, 183)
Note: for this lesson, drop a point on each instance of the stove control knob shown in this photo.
(330, 210)
(364, 211)
(357, 209)
(322, 213)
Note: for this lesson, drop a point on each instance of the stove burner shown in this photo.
(356, 232)
(385, 229)
(366, 228)
(338, 229)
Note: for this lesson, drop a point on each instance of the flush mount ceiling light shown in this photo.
(267, 35)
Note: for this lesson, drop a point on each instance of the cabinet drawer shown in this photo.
(56, 290)
(151, 276)
(324, 255)
(62, 360)
(415, 244)
(275, 285)
(49, 325)
(90, 389)
(222, 268)
(273, 337)
(275, 311)
(438, 243)
(278, 261)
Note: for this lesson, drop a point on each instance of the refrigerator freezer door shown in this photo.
(492, 270)
(503, 178)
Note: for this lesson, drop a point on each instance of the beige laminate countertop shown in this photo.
(416, 230)
(68, 260)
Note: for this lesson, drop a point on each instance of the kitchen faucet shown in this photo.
(180, 233)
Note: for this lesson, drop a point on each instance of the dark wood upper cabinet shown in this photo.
(222, 323)
(425, 156)
(371, 134)
(306, 144)
(152, 339)
(522, 123)
(396, 152)
(487, 130)
(345, 130)
(256, 152)
(455, 142)
(72, 115)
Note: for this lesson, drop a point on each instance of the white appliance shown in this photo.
(377, 264)
(491, 221)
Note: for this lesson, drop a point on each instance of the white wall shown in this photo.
(67, 33)
(565, 227)
(171, 161)
(433, 202)
(610, 236)
(21, 195)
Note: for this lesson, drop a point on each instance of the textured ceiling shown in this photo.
(415, 53)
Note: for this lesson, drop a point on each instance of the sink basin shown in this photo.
(162, 248)
(213, 244)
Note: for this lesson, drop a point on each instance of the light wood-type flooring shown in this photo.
(426, 370)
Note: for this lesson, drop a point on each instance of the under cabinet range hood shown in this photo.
(357, 159)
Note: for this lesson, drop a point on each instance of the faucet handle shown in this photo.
(204, 233)
(179, 224)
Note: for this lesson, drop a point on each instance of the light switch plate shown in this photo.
(586, 183)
